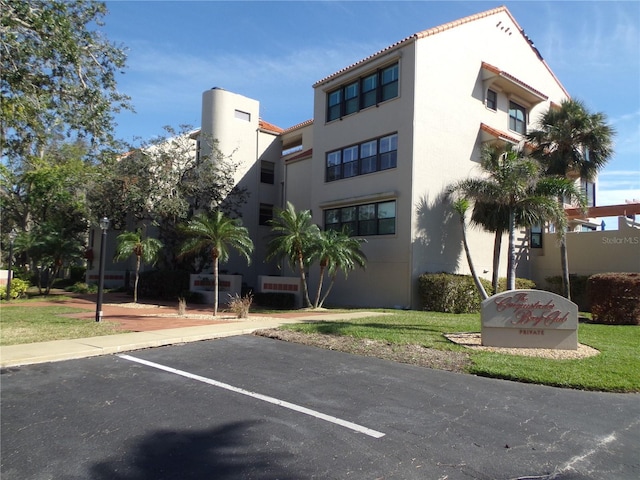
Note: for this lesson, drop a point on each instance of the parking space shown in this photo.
(248, 407)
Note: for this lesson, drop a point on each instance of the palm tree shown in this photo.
(461, 205)
(293, 238)
(216, 234)
(336, 251)
(516, 186)
(146, 250)
(573, 143)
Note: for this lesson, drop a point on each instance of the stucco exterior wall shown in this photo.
(240, 136)
(590, 252)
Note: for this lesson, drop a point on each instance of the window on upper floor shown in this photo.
(535, 237)
(265, 214)
(267, 172)
(589, 191)
(239, 114)
(368, 219)
(376, 87)
(492, 100)
(517, 118)
(367, 157)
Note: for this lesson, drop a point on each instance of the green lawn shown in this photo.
(30, 324)
(615, 369)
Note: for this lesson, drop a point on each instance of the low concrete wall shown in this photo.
(227, 285)
(589, 252)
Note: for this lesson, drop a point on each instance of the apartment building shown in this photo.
(392, 131)
(389, 133)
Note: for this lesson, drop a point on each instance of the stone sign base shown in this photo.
(529, 319)
(529, 338)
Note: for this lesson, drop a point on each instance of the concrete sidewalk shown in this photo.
(57, 350)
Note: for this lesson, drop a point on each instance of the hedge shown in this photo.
(615, 298)
(454, 293)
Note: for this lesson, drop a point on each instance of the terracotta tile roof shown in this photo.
(301, 155)
(497, 71)
(299, 125)
(269, 127)
(494, 132)
(442, 28)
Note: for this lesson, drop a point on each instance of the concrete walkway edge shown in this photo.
(57, 350)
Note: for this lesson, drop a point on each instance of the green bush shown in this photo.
(163, 284)
(521, 284)
(18, 289)
(578, 286)
(615, 298)
(82, 287)
(450, 293)
(277, 300)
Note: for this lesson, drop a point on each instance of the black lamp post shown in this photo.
(12, 236)
(104, 225)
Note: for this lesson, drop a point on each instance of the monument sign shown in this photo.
(529, 319)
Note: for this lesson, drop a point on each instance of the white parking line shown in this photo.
(259, 396)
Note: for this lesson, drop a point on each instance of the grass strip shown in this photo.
(615, 369)
(31, 324)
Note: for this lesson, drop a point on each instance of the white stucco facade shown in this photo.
(425, 106)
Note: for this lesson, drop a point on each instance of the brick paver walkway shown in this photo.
(149, 315)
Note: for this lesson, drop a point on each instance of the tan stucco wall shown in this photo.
(590, 252)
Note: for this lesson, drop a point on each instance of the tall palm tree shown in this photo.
(574, 143)
(515, 184)
(146, 250)
(461, 205)
(336, 251)
(216, 234)
(293, 238)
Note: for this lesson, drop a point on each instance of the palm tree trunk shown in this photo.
(476, 279)
(303, 279)
(215, 285)
(326, 294)
(497, 247)
(135, 282)
(511, 261)
(319, 292)
(564, 258)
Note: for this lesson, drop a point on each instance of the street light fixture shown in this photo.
(104, 226)
(12, 237)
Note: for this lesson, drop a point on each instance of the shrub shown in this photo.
(450, 293)
(277, 300)
(615, 298)
(81, 287)
(240, 305)
(578, 286)
(521, 284)
(18, 289)
(163, 284)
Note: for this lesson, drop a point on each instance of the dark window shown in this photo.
(266, 214)
(364, 92)
(389, 81)
(369, 219)
(267, 172)
(388, 152)
(535, 240)
(492, 100)
(517, 118)
(351, 98)
(334, 100)
(589, 191)
(334, 165)
(368, 157)
(369, 90)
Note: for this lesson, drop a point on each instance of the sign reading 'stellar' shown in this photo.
(530, 319)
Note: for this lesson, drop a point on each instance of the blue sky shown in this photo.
(275, 51)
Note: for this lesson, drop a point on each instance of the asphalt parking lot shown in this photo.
(249, 407)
